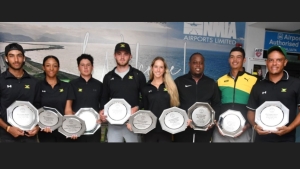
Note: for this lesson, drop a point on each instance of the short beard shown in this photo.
(197, 75)
(122, 64)
(21, 67)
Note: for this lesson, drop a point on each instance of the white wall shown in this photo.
(254, 38)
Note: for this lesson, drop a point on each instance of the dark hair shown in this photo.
(50, 56)
(239, 49)
(85, 56)
(196, 53)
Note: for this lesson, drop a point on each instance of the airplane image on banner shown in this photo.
(193, 31)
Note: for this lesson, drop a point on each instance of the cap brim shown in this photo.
(277, 48)
(123, 50)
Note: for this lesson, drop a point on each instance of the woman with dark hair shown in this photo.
(54, 93)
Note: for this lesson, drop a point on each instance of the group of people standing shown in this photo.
(236, 90)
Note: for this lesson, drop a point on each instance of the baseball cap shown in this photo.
(122, 46)
(13, 46)
(278, 48)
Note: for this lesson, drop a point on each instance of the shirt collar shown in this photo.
(284, 77)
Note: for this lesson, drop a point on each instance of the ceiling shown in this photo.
(280, 26)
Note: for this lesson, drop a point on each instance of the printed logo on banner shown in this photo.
(280, 36)
(223, 33)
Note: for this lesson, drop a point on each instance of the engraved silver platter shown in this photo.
(22, 114)
(72, 125)
(202, 115)
(49, 117)
(90, 117)
(173, 120)
(231, 123)
(271, 114)
(142, 121)
(117, 111)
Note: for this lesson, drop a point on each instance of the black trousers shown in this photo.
(262, 140)
(6, 137)
(188, 136)
(157, 136)
(96, 137)
(55, 136)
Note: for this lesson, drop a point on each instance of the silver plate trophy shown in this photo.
(202, 116)
(173, 120)
(72, 125)
(22, 114)
(271, 114)
(117, 111)
(49, 117)
(142, 121)
(231, 123)
(90, 117)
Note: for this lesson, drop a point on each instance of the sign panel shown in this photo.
(290, 41)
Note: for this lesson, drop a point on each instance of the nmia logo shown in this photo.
(213, 29)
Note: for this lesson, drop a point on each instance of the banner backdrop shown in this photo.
(175, 41)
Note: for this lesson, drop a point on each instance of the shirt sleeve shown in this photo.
(145, 99)
(298, 95)
(216, 100)
(100, 95)
(106, 92)
(71, 94)
(253, 98)
(37, 96)
(142, 84)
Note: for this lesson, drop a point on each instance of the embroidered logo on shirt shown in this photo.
(43, 91)
(27, 86)
(265, 92)
(79, 90)
(112, 78)
(283, 89)
(188, 85)
(130, 77)
(61, 90)
(246, 79)
(149, 91)
(9, 86)
(226, 80)
(165, 89)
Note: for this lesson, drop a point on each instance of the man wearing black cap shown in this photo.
(277, 86)
(123, 82)
(15, 84)
(235, 87)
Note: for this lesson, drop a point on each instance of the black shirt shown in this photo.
(123, 88)
(88, 93)
(287, 91)
(155, 100)
(13, 89)
(54, 97)
(190, 92)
